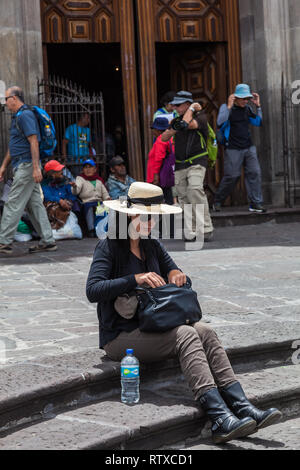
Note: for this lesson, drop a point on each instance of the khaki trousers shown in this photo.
(202, 358)
(25, 194)
(190, 190)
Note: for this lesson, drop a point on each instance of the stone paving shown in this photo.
(247, 278)
(281, 436)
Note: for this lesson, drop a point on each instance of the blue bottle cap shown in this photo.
(129, 351)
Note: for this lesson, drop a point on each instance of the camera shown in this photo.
(179, 125)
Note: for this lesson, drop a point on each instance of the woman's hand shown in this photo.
(177, 277)
(152, 279)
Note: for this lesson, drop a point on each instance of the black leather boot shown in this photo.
(225, 426)
(236, 400)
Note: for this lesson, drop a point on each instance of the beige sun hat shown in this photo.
(143, 198)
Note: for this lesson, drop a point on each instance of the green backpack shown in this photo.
(212, 146)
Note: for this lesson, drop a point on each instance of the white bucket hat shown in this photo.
(143, 198)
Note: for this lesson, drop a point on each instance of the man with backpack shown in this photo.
(24, 155)
(233, 132)
(191, 132)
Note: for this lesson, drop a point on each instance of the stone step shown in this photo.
(230, 216)
(165, 415)
(281, 436)
(28, 390)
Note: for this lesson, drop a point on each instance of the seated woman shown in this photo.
(58, 197)
(118, 267)
(89, 187)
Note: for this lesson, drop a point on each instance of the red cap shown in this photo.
(53, 165)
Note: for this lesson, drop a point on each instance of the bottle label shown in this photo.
(130, 372)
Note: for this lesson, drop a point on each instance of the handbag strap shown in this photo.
(148, 290)
(145, 290)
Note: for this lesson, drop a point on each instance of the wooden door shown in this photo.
(202, 71)
(100, 22)
(209, 65)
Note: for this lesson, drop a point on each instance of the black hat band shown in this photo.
(145, 201)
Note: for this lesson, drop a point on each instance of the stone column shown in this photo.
(21, 45)
(265, 56)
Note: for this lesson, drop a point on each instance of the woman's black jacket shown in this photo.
(109, 277)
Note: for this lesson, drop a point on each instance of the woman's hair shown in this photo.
(118, 225)
(118, 236)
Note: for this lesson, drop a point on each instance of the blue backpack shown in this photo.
(223, 132)
(47, 130)
(220, 134)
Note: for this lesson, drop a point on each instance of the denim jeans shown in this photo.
(233, 162)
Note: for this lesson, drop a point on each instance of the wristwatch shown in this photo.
(191, 108)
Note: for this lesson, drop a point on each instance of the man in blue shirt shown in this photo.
(234, 119)
(25, 193)
(76, 143)
(58, 196)
(118, 183)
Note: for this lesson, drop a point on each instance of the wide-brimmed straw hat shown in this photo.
(143, 198)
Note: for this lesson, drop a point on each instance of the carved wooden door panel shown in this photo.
(211, 27)
(101, 21)
(202, 71)
(80, 21)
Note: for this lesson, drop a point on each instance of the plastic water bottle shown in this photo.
(130, 378)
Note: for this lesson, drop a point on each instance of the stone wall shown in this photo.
(270, 32)
(21, 60)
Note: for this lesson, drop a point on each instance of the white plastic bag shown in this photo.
(71, 229)
(22, 237)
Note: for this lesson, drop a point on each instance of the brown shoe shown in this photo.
(6, 249)
(39, 248)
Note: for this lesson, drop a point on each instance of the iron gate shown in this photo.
(291, 145)
(66, 103)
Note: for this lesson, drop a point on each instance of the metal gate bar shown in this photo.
(291, 146)
(65, 102)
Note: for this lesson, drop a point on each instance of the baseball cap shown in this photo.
(243, 91)
(53, 165)
(89, 162)
(117, 160)
(182, 97)
(160, 123)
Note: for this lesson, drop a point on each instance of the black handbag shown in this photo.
(166, 307)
